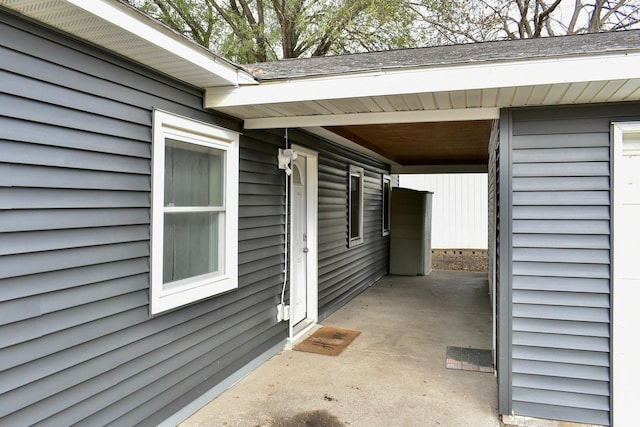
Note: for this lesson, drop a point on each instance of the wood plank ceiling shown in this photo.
(433, 143)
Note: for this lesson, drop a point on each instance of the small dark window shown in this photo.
(386, 204)
(356, 205)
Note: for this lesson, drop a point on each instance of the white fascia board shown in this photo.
(486, 75)
(374, 118)
(120, 16)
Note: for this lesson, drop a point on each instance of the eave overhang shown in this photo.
(433, 93)
(122, 29)
(440, 112)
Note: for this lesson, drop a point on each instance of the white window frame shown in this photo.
(355, 241)
(386, 206)
(170, 126)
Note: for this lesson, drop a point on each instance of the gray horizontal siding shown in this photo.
(37, 241)
(560, 261)
(559, 240)
(569, 313)
(575, 284)
(560, 212)
(561, 169)
(52, 136)
(557, 412)
(561, 184)
(78, 344)
(36, 154)
(598, 388)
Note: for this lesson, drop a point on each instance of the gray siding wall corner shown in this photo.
(502, 260)
(77, 344)
(560, 260)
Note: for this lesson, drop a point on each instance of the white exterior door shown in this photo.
(299, 249)
(626, 273)
(303, 278)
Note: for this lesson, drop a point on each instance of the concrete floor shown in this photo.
(393, 374)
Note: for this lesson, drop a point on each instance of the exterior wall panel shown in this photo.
(560, 261)
(78, 344)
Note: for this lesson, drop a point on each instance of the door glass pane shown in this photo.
(190, 245)
(296, 178)
(193, 175)
(354, 207)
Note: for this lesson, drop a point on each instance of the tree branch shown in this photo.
(544, 16)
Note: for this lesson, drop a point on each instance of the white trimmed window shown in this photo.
(386, 205)
(356, 205)
(194, 214)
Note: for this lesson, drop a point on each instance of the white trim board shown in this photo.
(503, 74)
(625, 287)
(393, 117)
(127, 31)
(167, 296)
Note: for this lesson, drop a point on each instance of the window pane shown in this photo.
(296, 177)
(386, 197)
(193, 175)
(190, 245)
(354, 207)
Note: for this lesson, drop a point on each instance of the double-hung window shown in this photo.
(194, 211)
(356, 205)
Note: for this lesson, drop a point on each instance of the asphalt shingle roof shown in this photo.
(494, 51)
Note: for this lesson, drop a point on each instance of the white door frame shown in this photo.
(311, 186)
(625, 296)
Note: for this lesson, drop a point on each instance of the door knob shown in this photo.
(305, 250)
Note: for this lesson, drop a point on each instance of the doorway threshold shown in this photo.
(301, 331)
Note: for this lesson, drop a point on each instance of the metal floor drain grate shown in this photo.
(469, 359)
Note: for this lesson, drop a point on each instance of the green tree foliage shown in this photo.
(248, 31)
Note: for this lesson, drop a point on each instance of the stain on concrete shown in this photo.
(317, 418)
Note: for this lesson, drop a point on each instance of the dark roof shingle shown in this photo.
(494, 51)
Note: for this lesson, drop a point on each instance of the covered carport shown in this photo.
(392, 374)
(563, 113)
(441, 110)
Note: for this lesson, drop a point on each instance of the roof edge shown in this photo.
(492, 51)
(471, 75)
(120, 19)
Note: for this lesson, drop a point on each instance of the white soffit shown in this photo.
(128, 32)
(433, 90)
